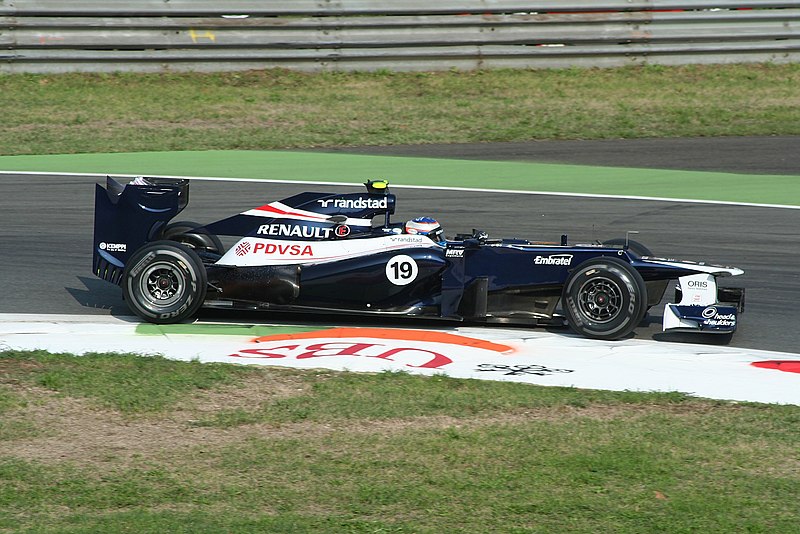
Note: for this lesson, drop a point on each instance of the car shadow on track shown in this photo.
(99, 294)
(649, 328)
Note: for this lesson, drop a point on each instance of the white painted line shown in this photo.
(67, 318)
(424, 187)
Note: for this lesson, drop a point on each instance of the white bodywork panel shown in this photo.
(256, 251)
(700, 267)
(279, 210)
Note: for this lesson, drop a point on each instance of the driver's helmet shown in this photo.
(426, 226)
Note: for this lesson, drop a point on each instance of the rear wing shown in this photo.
(126, 216)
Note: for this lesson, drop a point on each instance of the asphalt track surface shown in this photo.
(46, 236)
(740, 155)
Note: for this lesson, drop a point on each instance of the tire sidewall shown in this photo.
(184, 265)
(632, 291)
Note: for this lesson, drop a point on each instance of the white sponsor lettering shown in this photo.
(720, 322)
(114, 247)
(709, 312)
(454, 253)
(294, 230)
(355, 203)
(714, 318)
(554, 259)
(408, 239)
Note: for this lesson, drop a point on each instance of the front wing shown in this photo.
(703, 307)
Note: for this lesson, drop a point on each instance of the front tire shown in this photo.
(656, 288)
(604, 298)
(164, 282)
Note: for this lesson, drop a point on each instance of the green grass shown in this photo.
(130, 384)
(85, 113)
(390, 395)
(150, 329)
(390, 452)
(10, 430)
(640, 476)
(8, 400)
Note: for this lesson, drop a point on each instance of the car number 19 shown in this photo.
(401, 270)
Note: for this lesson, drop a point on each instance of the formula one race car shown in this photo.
(341, 253)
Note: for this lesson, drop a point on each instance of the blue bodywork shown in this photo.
(468, 277)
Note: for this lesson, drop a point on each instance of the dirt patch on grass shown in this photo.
(77, 430)
(11, 368)
(248, 393)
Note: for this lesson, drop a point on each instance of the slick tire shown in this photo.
(187, 232)
(604, 298)
(640, 250)
(164, 282)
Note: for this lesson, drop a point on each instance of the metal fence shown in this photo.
(403, 35)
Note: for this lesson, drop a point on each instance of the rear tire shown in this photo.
(604, 298)
(164, 282)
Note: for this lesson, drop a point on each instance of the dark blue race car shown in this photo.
(341, 253)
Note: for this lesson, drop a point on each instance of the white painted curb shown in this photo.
(530, 356)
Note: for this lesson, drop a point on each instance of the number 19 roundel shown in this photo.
(401, 270)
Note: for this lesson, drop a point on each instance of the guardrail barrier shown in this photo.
(403, 35)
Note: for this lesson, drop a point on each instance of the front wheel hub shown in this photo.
(600, 300)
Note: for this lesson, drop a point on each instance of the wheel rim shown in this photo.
(600, 299)
(162, 285)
